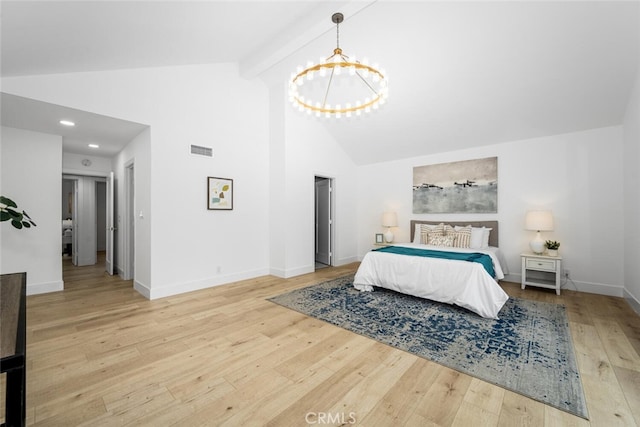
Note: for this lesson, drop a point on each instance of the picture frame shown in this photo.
(219, 193)
(379, 238)
(466, 186)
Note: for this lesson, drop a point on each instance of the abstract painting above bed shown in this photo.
(468, 186)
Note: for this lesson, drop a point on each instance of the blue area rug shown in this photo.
(528, 350)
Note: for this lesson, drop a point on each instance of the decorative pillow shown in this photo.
(448, 229)
(438, 229)
(431, 231)
(424, 235)
(462, 237)
(436, 240)
(417, 233)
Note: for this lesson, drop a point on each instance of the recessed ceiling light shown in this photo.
(94, 146)
(67, 123)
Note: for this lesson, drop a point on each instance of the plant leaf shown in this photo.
(18, 219)
(14, 214)
(7, 201)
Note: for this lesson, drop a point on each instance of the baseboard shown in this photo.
(594, 288)
(514, 278)
(633, 301)
(142, 289)
(278, 272)
(574, 285)
(181, 288)
(345, 261)
(44, 288)
(292, 272)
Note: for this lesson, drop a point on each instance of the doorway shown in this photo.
(84, 216)
(323, 222)
(68, 192)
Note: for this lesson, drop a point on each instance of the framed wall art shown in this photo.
(219, 193)
(468, 186)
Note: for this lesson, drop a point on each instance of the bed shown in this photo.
(466, 277)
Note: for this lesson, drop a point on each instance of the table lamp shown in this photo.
(538, 221)
(389, 219)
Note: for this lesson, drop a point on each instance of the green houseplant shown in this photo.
(9, 212)
(552, 247)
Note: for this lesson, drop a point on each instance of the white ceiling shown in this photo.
(462, 74)
(110, 134)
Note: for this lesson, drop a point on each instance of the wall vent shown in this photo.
(202, 151)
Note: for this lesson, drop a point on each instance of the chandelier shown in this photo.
(338, 86)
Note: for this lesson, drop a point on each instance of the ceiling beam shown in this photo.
(297, 36)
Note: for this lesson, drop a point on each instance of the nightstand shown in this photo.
(541, 270)
(381, 245)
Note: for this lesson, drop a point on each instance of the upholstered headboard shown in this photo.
(493, 236)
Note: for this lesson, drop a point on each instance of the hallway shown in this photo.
(90, 275)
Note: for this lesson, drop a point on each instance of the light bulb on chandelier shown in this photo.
(357, 86)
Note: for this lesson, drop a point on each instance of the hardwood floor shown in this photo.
(101, 354)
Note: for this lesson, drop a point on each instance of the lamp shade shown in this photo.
(539, 221)
(389, 219)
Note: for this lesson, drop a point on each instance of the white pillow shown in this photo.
(416, 233)
(477, 237)
(480, 237)
(485, 237)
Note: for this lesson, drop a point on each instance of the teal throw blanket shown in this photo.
(483, 259)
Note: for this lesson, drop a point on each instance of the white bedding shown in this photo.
(463, 283)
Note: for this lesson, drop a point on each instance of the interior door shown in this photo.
(323, 221)
(75, 214)
(108, 263)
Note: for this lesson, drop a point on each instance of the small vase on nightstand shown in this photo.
(552, 247)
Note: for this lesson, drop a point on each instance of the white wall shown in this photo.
(309, 150)
(189, 246)
(138, 153)
(72, 165)
(30, 175)
(277, 184)
(576, 175)
(632, 198)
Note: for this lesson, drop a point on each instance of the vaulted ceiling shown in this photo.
(462, 74)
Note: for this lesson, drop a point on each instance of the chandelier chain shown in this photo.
(326, 94)
(366, 83)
